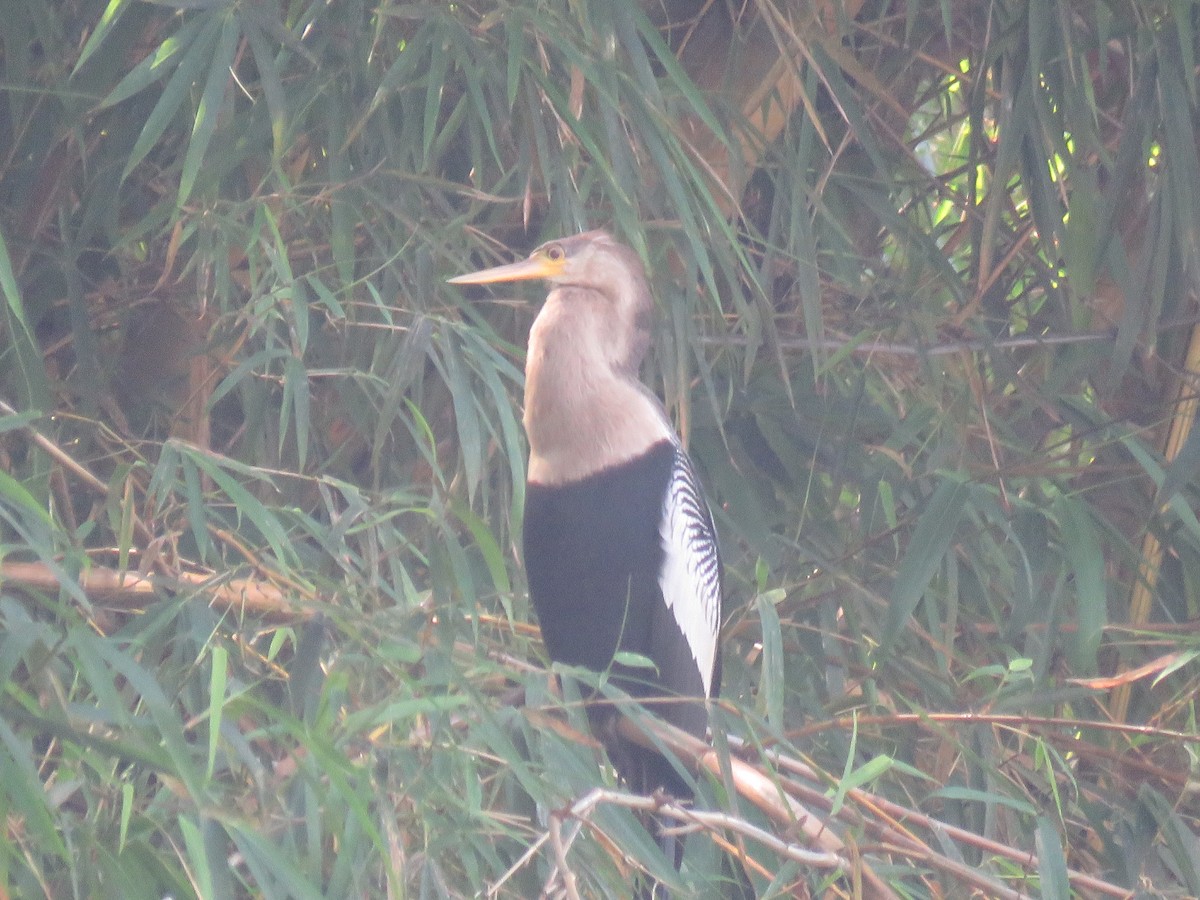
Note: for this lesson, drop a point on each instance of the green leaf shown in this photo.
(931, 541)
(269, 865)
(22, 791)
(167, 727)
(400, 713)
(108, 19)
(1055, 883)
(515, 32)
(245, 503)
(1082, 250)
(1081, 547)
(197, 511)
(128, 516)
(1183, 469)
(485, 543)
(219, 77)
(631, 660)
(197, 853)
(176, 91)
(216, 703)
(435, 83)
(772, 680)
(127, 797)
(342, 217)
(18, 421)
(32, 389)
(296, 397)
(15, 495)
(157, 64)
(988, 798)
(466, 419)
(328, 299)
(264, 51)
(1181, 842)
(869, 772)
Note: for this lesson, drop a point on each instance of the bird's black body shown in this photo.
(593, 556)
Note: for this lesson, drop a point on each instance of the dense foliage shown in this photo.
(927, 276)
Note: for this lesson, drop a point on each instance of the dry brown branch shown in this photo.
(664, 808)
(751, 784)
(787, 801)
(560, 854)
(907, 844)
(132, 590)
(1142, 595)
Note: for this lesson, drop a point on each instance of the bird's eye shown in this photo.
(555, 253)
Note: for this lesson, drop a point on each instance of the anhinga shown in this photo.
(619, 546)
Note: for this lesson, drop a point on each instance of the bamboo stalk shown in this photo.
(1142, 595)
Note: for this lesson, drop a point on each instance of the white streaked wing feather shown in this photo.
(691, 574)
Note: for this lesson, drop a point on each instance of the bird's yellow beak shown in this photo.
(539, 265)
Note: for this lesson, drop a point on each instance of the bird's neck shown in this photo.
(583, 412)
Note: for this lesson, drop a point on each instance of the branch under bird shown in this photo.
(619, 545)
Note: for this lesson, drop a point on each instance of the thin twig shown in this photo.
(560, 855)
(907, 844)
(722, 821)
(522, 861)
(751, 783)
(890, 348)
(662, 807)
(65, 460)
(1009, 719)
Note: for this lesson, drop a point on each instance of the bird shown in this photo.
(618, 542)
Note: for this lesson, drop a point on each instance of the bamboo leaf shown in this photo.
(1181, 471)
(435, 81)
(216, 703)
(931, 541)
(31, 388)
(269, 866)
(22, 788)
(270, 78)
(1181, 842)
(197, 511)
(485, 543)
(197, 853)
(1055, 883)
(244, 503)
(466, 420)
(296, 397)
(21, 502)
(971, 795)
(209, 108)
(865, 774)
(178, 87)
(156, 65)
(108, 20)
(166, 725)
(772, 680)
(1083, 553)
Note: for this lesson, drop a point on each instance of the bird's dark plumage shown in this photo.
(594, 556)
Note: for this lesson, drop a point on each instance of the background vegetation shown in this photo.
(927, 275)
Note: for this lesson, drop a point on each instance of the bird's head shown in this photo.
(591, 260)
(593, 271)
